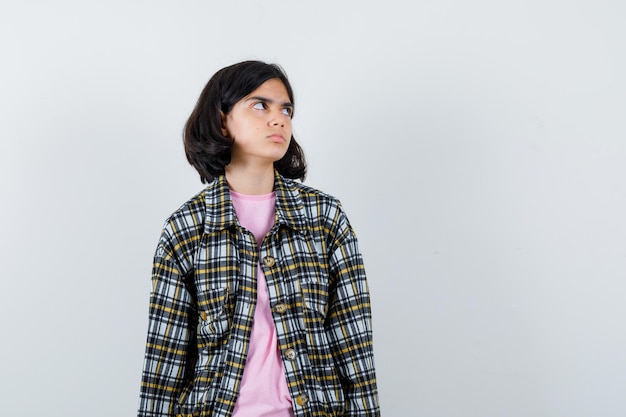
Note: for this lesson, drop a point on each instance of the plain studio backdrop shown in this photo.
(479, 149)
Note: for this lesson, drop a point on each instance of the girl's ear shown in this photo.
(224, 130)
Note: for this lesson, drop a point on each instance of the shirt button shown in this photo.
(269, 261)
(302, 399)
(290, 354)
(280, 308)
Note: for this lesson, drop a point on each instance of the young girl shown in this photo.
(259, 304)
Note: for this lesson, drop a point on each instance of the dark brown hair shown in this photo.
(206, 148)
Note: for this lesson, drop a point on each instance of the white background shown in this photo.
(478, 148)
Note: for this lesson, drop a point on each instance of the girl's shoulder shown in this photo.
(309, 193)
(188, 218)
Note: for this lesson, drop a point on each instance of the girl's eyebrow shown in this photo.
(269, 101)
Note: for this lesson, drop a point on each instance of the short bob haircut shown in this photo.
(206, 148)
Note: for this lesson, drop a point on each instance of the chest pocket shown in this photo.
(314, 300)
(213, 317)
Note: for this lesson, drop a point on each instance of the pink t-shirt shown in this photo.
(263, 391)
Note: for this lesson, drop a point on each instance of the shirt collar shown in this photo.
(220, 213)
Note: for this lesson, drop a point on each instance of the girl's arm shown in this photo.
(349, 322)
(169, 347)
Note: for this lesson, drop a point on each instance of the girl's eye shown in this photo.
(259, 106)
(287, 111)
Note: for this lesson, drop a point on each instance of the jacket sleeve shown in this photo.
(168, 355)
(349, 322)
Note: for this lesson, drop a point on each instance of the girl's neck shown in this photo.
(250, 180)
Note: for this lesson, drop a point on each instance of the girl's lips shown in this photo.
(276, 138)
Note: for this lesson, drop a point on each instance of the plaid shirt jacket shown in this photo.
(204, 294)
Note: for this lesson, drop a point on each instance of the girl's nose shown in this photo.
(278, 119)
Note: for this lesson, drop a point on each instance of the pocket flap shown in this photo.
(212, 303)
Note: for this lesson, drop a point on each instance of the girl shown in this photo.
(259, 304)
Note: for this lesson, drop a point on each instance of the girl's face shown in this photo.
(260, 125)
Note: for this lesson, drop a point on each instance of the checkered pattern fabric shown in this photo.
(204, 294)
